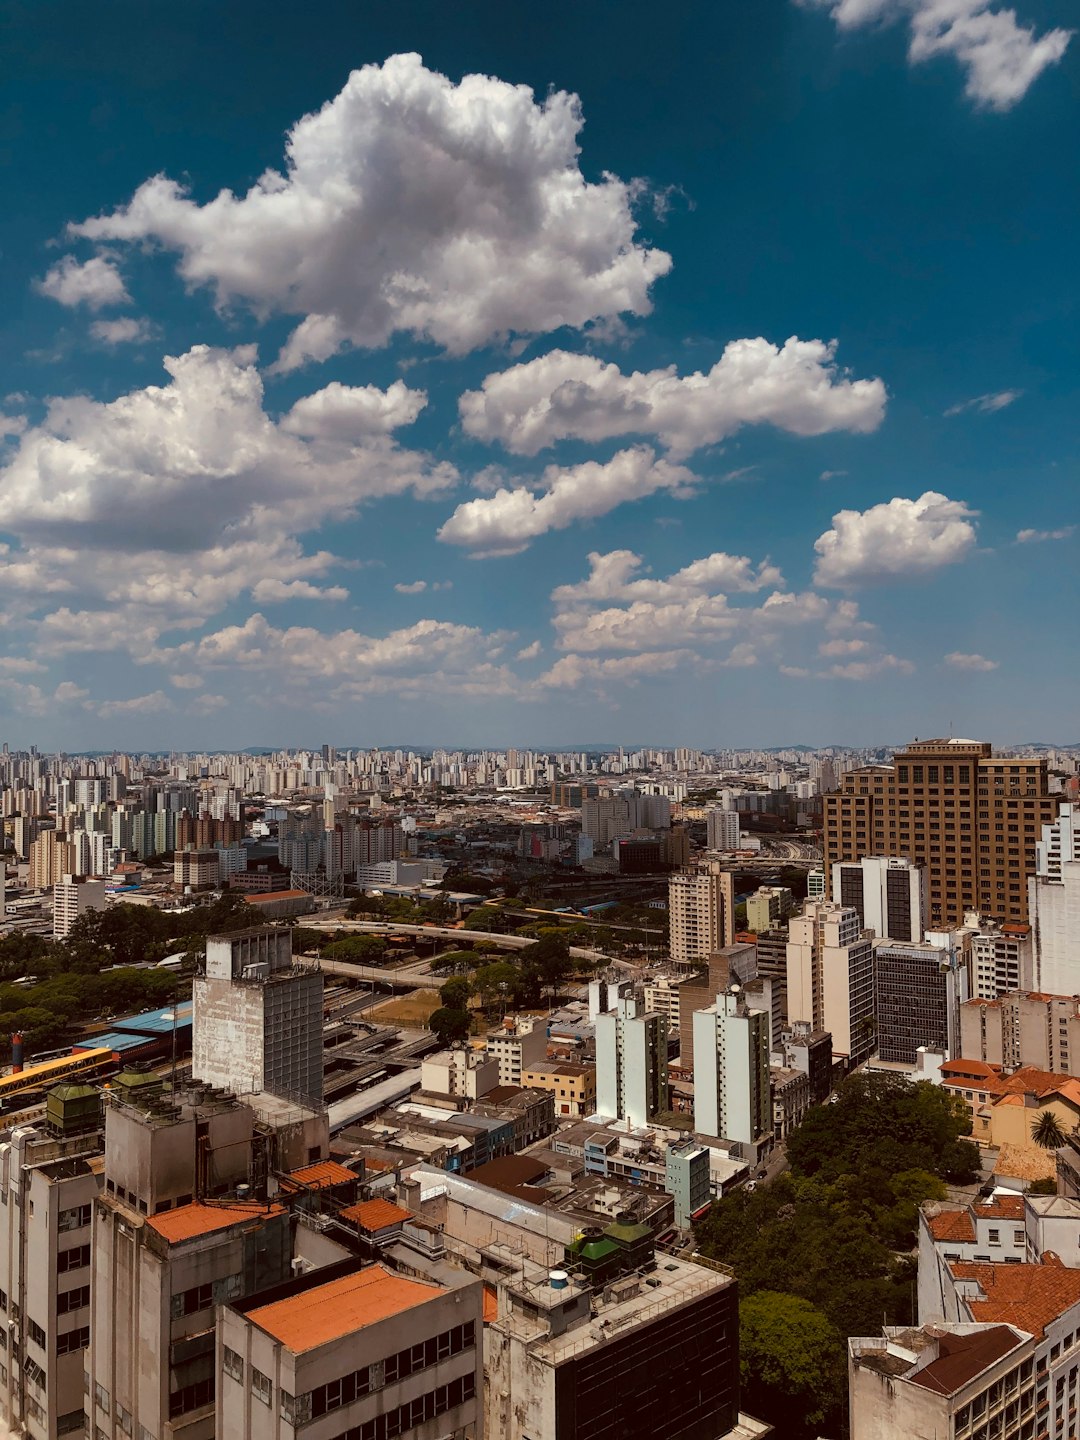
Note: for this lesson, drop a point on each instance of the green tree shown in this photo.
(792, 1364)
(497, 984)
(1048, 1131)
(489, 918)
(450, 1026)
(455, 993)
(358, 949)
(454, 962)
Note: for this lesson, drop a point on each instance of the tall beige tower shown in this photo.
(701, 909)
(830, 977)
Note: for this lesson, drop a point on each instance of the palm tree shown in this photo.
(1047, 1131)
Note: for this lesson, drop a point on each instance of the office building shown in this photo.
(1022, 1029)
(75, 895)
(769, 907)
(967, 818)
(830, 977)
(815, 885)
(631, 1063)
(701, 912)
(1054, 904)
(731, 1071)
(354, 1349)
(722, 829)
(919, 989)
(1001, 957)
(258, 1017)
(886, 891)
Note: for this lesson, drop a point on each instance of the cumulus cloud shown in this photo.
(126, 331)
(1036, 537)
(614, 576)
(796, 387)
(959, 661)
(187, 682)
(868, 669)
(270, 590)
(207, 704)
(896, 540)
(152, 704)
(415, 587)
(173, 467)
(530, 652)
(572, 670)
(455, 212)
(350, 412)
(986, 404)
(507, 521)
(1001, 57)
(20, 665)
(95, 283)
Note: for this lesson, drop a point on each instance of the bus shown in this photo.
(86, 1065)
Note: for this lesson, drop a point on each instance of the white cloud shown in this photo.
(868, 669)
(832, 474)
(11, 425)
(20, 665)
(960, 661)
(95, 283)
(68, 693)
(207, 704)
(179, 466)
(350, 412)
(1002, 58)
(152, 704)
(187, 682)
(797, 387)
(417, 587)
(506, 522)
(126, 331)
(574, 670)
(614, 577)
(986, 404)
(455, 212)
(898, 539)
(843, 647)
(530, 652)
(1035, 537)
(270, 590)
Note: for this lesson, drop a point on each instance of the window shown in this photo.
(34, 1371)
(73, 1259)
(73, 1340)
(188, 1302)
(101, 1395)
(191, 1397)
(995, 1237)
(37, 1334)
(69, 1300)
(73, 1219)
(123, 1419)
(261, 1386)
(233, 1363)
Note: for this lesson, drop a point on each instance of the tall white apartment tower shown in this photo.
(830, 977)
(722, 829)
(1054, 905)
(257, 1022)
(889, 893)
(731, 1070)
(701, 909)
(631, 1062)
(73, 896)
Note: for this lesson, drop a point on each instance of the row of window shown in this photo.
(415, 1412)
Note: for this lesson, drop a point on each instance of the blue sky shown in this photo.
(731, 402)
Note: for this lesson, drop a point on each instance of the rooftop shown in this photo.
(1027, 1296)
(320, 1176)
(190, 1221)
(376, 1214)
(328, 1311)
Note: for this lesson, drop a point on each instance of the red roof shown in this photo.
(952, 1225)
(189, 1221)
(340, 1307)
(372, 1215)
(321, 1175)
(1027, 1296)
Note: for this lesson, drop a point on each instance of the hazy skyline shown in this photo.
(709, 378)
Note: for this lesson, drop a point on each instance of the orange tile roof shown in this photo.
(319, 1176)
(979, 1068)
(189, 1221)
(952, 1225)
(1000, 1207)
(1027, 1296)
(376, 1214)
(323, 1313)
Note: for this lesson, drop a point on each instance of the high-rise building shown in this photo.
(731, 1070)
(1042, 1031)
(701, 912)
(75, 895)
(967, 818)
(888, 893)
(768, 907)
(734, 964)
(258, 1017)
(722, 829)
(631, 1063)
(919, 988)
(1001, 957)
(830, 977)
(52, 856)
(1054, 904)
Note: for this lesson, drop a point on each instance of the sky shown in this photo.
(481, 375)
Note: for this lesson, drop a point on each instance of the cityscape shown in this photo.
(539, 763)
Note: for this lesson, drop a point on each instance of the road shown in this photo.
(441, 932)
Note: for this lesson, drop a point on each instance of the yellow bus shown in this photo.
(86, 1065)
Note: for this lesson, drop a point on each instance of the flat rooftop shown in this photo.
(336, 1308)
(190, 1221)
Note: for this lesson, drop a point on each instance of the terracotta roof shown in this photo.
(962, 1357)
(340, 1307)
(952, 1225)
(1027, 1296)
(1025, 1162)
(980, 1069)
(1000, 1207)
(321, 1175)
(376, 1214)
(189, 1221)
(272, 895)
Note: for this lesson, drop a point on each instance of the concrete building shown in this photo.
(731, 1071)
(354, 1349)
(968, 818)
(258, 1018)
(75, 895)
(735, 964)
(809, 1051)
(888, 893)
(662, 996)
(466, 1074)
(573, 1087)
(1001, 957)
(1023, 1029)
(687, 1178)
(769, 907)
(197, 869)
(918, 991)
(944, 1380)
(722, 829)
(518, 1044)
(52, 856)
(1054, 904)
(631, 1063)
(816, 888)
(50, 1176)
(606, 992)
(701, 912)
(830, 977)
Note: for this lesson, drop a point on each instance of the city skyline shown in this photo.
(715, 378)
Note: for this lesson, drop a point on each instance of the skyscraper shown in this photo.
(888, 893)
(1054, 903)
(830, 977)
(701, 908)
(968, 818)
(731, 1070)
(631, 1063)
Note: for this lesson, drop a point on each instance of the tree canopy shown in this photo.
(791, 1364)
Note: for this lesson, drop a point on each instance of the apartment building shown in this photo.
(830, 977)
(1023, 1029)
(573, 1087)
(731, 1071)
(966, 817)
(75, 895)
(1054, 904)
(631, 1063)
(518, 1044)
(701, 912)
